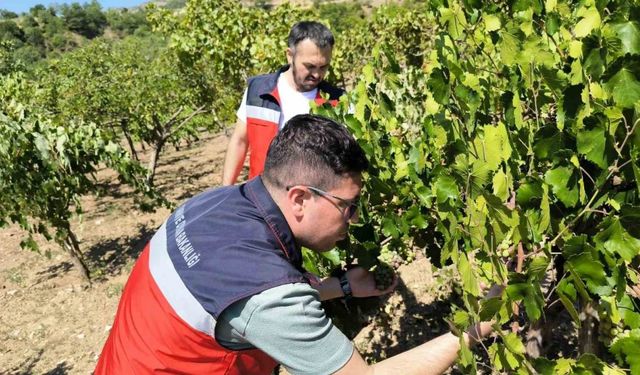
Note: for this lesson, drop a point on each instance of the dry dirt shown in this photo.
(52, 323)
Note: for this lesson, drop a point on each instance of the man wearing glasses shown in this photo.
(220, 289)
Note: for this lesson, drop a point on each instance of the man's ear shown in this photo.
(296, 199)
(290, 54)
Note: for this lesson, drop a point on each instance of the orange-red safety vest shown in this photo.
(263, 114)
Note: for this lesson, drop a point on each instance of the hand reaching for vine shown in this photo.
(634, 290)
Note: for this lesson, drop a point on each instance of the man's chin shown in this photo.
(309, 86)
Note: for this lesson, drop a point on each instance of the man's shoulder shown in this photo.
(262, 84)
(270, 78)
(260, 77)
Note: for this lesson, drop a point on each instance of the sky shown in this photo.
(19, 6)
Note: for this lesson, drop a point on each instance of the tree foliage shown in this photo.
(87, 20)
(222, 43)
(531, 104)
(47, 165)
(133, 89)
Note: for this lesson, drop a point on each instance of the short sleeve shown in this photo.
(242, 110)
(288, 323)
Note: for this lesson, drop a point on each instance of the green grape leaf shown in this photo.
(439, 136)
(493, 147)
(624, 88)
(545, 218)
(332, 255)
(439, 86)
(627, 350)
(424, 194)
(589, 270)
(548, 144)
(43, 146)
(525, 292)
(570, 308)
(469, 280)
(466, 356)
(636, 173)
(446, 188)
(615, 239)
(390, 228)
(528, 192)
(590, 20)
(111, 148)
(562, 185)
(592, 144)
(513, 343)
(501, 185)
(309, 261)
(538, 267)
(629, 34)
(489, 308)
(492, 22)
(509, 48)
(368, 74)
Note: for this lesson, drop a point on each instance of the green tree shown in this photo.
(45, 166)
(87, 20)
(8, 63)
(126, 22)
(175, 4)
(221, 43)
(34, 37)
(341, 16)
(7, 14)
(10, 31)
(28, 55)
(133, 89)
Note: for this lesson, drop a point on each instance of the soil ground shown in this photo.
(51, 322)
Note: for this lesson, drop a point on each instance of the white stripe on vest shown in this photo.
(174, 289)
(264, 114)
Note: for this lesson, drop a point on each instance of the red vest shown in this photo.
(178, 349)
(263, 114)
(219, 247)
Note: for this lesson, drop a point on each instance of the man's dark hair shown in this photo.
(312, 150)
(315, 31)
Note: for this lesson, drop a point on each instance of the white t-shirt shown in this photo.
(292, 102)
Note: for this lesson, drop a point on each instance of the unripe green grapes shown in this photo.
(383, 275)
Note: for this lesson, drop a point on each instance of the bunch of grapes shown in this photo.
(388, 262)
(390, 258)
(383, 274)
(607, 331)
(504, 248)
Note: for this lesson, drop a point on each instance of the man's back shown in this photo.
(216, 249)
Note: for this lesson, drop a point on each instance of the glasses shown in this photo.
(351, 205)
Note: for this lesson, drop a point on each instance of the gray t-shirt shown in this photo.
(288, 323)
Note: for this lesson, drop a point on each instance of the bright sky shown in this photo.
(20, 6)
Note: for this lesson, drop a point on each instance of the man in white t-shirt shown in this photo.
(270, 100)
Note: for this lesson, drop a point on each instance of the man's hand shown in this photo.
(634, 290)
(363, 284)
